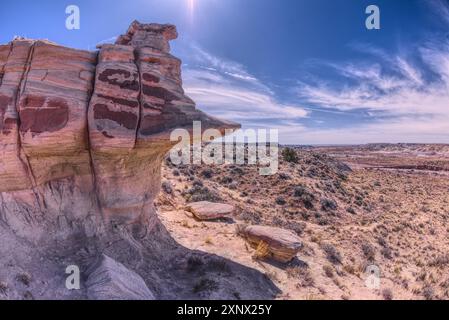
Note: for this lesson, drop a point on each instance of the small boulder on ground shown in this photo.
(270, 242)
(205, 210)
(111, 280)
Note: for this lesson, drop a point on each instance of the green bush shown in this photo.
(290, 155)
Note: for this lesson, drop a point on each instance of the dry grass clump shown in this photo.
(387, 294)
(332, 254)
(262, 251)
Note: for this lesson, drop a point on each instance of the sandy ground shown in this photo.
(397, 222)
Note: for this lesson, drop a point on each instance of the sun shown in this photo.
(191, 5)
(191, 8)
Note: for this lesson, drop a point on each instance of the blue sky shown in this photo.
(307, 67)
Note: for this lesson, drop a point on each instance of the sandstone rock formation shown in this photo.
(205, 210)
(270, 242)
(82, 138)
(100, 119)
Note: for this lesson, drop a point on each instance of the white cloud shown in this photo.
(441, 8)
(225, 88)
(407, 95)
(406, 129)
(379, 90)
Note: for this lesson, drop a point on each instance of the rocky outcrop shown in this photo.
(205, 210)
(83, 134)
(270, 242)
(82, 138)
(111, 280)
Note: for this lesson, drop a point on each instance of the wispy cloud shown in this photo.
(441, 8)
(225, 88)
(397, 87)
(407, 94)
(400, 96)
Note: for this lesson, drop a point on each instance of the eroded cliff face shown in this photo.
(82, 138)
(83, 134)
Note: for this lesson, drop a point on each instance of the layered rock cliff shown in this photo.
(82, 134)
(82, 138)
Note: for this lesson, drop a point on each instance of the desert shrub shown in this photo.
(387, 252)
(323, 221)
(305, 215)
(351, 210)
(329, 186)
(278, 222)
(205, 285)
(28, 295)
(300, 190)
(237, 171)
(252, 217)
(429, 293)
(226, 180)
(24, 278)
(369, 251)
(3, 287)
(328, 204)
(284, 176)
(328, 271)
(176, 173)
(439, 261)
(280, 201)
(198, 193)
(332, 253)
(218, 264)
(307, 200)
(349, 268)
(207, 173)
(382, 241)
(167, 187)
(304, 195)
(194, 263)
(233, 185)
(312, 172)
(303, 275)
(290, 155)
(197, 183)
(297, 227)
(387, 294)
(168, 162)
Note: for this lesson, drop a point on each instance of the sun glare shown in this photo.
(191, 8)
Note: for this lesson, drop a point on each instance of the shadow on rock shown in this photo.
(172, 271)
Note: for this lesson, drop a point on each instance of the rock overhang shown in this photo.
(106, 114)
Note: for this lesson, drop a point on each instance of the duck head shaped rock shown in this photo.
(83, 134)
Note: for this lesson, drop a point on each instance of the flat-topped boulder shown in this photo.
(270, 242)
(205, 210)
